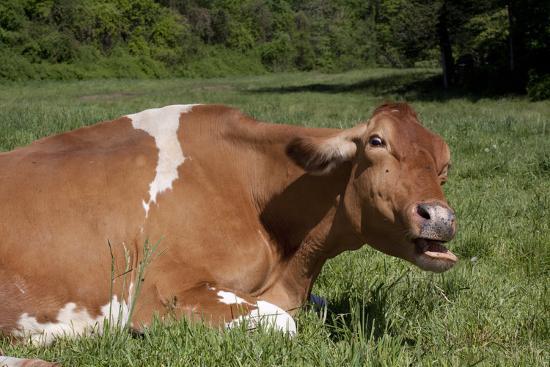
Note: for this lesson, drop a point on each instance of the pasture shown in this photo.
(492, 309)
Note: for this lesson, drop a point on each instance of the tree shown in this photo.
(445, 47)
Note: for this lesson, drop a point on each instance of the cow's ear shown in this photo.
(321, 155)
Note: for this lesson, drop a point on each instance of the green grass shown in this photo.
(492, 309)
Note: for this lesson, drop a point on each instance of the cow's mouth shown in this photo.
(434, 250)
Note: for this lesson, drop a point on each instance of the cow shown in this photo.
(210, 214)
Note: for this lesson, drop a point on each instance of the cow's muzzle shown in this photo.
(435, 221)
(436, 224)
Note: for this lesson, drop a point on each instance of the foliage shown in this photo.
(279, 53)
(538, 87)
(488, 45)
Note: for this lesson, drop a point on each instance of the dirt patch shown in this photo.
(215, 87)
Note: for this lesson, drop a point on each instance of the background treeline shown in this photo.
(487, 45)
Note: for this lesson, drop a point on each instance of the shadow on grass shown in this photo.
(417, 85)
(365, 317)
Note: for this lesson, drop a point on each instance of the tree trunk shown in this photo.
(447, 61)
(511, 33)
(517, 23)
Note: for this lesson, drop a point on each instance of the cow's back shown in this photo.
(177, 176)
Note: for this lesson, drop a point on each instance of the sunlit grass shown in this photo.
(491, 309)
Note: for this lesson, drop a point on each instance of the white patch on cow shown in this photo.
(230, 298)
(15, 362)
(162, 124)
(118, 313)
(72, 321)
(268, 315)
(11, 362)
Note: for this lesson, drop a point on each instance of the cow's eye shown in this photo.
(376, 141)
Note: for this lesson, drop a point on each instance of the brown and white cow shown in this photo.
(245, 214)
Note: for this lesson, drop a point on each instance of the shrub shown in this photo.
(14, 66)
(279, 54)
(12, 15)
(215, 61)
(538, 87)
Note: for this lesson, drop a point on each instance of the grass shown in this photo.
(492, 309)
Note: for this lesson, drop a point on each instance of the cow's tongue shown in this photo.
(436, 250)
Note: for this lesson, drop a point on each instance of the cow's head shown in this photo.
(394, 196)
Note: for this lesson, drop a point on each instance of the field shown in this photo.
(492, 309)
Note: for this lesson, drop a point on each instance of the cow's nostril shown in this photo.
(423, 212)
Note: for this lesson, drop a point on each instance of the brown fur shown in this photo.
(243, 215)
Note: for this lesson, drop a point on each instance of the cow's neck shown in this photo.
(305, 218)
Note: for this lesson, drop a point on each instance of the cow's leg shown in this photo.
(222, 307)
(20, 362)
